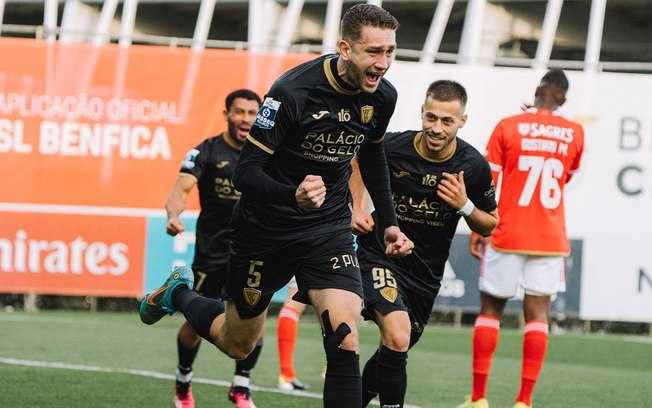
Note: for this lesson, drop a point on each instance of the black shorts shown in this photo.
(210, 280)
(259, 267)
(384, 293)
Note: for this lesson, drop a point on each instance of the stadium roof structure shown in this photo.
(589, 35)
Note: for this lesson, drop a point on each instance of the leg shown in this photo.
(542, 277)
(535, 344)
(230, 333)
(485, 341)
(188, 342)
(286, 334)
(498, 283)
(239, 392)
(391, 365)
(369, 384)
(339, 311)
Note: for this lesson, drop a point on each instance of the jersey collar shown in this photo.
(330, 69)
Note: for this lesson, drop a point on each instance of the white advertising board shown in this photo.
(609, 202)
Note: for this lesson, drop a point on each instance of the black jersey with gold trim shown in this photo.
(212, 163)
(424, 217)
(312, 122)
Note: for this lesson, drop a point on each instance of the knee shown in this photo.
(350, 342)
(239, 350)
(397, 341)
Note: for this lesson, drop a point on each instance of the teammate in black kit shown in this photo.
(294, 216)
(436, 179)
(210, 166)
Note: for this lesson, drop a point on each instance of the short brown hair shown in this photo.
(362, 15)
(445, 90)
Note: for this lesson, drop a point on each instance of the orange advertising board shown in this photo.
(91, 142)
(72, 254)
(109, 126)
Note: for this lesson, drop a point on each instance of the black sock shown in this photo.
(186, 356)
(369, 387)
(181, 296)
(199, 311)
(391, 377)
(342, 388)
(243, 367)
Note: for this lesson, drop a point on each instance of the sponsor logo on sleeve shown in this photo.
(189, 160)
(267, 113)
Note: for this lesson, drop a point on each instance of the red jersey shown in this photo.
(536, 152)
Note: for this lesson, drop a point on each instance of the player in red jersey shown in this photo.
(536, 152)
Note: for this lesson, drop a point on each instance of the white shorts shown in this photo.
(293, 283)
(502, 274)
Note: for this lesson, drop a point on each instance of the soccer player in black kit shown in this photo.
(436, 178)
(294, 215)
(210, 166)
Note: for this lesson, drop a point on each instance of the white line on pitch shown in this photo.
(154, 374)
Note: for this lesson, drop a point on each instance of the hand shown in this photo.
(477, 244)
(453, 190)
(311, 193)
(361, 222)
(526, 105)
(174, 226)
(397, 243)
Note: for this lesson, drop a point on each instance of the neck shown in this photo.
(441, 156)
(231, 141)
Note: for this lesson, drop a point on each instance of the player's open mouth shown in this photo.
(373, 78)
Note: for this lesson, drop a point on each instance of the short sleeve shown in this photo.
(195, 161)
(278, 113)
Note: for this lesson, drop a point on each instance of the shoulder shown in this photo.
(387, 91)
(468, 153)
(520, 117)
(302, 76)
(393, 139)
(572, 123)
(467, 148)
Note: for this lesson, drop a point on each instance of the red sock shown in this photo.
(286, 333)
(535, 343)
(485, 340)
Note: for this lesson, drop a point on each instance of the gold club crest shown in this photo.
(367, 112)
(251, 296)
(389, 293)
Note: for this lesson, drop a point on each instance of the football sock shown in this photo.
(184, 374)
(199, 311)
(181, 296)
(369, 387)
(240, 381)
(485, 340)
(243, 367)
(342, 388)
(391, 377)
(535, 343)
(286, 333)
(186, 357)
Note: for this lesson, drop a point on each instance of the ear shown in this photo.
(423, 107)
(226, 114)
(344, 48)
(463, 121)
